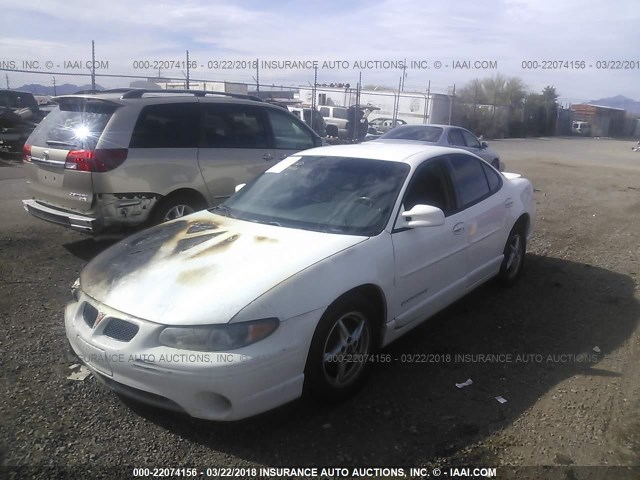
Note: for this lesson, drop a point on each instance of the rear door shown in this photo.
(485, 210)
(75, 125)
(235, 146)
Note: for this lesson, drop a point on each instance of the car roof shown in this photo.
(410, 153)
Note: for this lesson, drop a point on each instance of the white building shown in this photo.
(227, 87)
(412, 107)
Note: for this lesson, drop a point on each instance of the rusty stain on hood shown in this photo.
(203, 268)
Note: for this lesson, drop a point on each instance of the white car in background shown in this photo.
(294, 283)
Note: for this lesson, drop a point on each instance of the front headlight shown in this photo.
(214, 338)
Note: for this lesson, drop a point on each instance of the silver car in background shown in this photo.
(445, 136)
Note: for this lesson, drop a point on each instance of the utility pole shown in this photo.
(453, 96)
(356, 111)
(313, 97)
(427, 103)
(258, 76)
(93, 66)
(396, 104)
(187, 69)
(6, 75)
(404, 75)
(55, 93)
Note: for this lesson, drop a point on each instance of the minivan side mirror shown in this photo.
(239, 187)
(424, 216)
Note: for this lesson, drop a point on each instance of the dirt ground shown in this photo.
(562, 347)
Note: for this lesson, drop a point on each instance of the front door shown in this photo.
(430, 262)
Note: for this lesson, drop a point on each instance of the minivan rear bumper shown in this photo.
(72, 220)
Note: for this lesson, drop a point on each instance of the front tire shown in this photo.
(339, 357)
(514, 255)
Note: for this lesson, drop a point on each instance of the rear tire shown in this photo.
(339, 360)
(514, 255)
(175, 206)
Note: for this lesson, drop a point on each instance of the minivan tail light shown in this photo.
(100, 160)
(26, 153)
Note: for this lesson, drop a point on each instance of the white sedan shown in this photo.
(294, 283)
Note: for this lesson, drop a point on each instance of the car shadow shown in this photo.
(517, 343)
(87, 248)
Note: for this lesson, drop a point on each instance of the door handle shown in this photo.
(267, 156)
(458, 228)
(508, 202)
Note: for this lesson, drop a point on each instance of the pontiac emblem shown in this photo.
(45, 155)
(99, 318)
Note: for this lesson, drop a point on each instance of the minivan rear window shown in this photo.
(73, 125)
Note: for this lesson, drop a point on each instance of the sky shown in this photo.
(568, 44)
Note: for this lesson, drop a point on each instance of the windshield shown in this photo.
(424, 133)
(342, 195)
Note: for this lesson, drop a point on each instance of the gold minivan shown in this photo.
(116, 159)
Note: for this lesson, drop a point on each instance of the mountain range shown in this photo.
(619, 101)
(64, 89)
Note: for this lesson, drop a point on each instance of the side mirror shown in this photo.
(239, 187)
(484, 145)
(424, 216)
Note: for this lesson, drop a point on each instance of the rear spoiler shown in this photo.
(65, 100)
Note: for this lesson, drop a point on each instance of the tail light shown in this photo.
(26, 153)
(100, 160)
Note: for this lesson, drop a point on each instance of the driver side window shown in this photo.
(431, 185)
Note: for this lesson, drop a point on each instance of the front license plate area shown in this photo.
(94, 357)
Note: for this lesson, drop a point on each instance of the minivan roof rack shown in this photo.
(139, 92)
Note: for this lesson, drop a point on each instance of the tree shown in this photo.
(491, 106)
(541, 111)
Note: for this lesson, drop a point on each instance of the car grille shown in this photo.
(89, 314)
(120, 330)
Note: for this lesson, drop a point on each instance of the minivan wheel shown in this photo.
(339, 358)
(174, 207)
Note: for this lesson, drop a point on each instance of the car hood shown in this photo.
(204, 268)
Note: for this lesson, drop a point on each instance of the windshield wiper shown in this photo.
(62, 144)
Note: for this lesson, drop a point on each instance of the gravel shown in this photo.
(567, 405)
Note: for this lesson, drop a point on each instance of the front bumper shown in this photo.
(65, 218)
(209, 385)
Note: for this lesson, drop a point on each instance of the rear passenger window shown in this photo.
(169, 125)
(455, 138)
(288, 132)
(492, 177)
(234, 126)
(470, 180)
